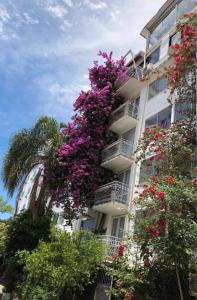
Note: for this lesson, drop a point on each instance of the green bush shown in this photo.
(63, 266)
(22, 234)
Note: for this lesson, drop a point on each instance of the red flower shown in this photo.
(154, 179)
(178, 59)
(128, 296)
(151, 189)
(194, 182)
(170, 180)
(146, 262)
(143, 194)
(176, 46)
(153, 231)
(160, 156)
(151, 158)
(120, 250)
(161, 195)
(157, 149)
(164, 204)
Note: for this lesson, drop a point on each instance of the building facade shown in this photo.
(145, 105)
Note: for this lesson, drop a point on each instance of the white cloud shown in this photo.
(95, 6)
(65, 25)
(4, 15)
(4, 19)
(57, 11)
(28, 19)
(68, 2)
(114, 15)
(65, 92)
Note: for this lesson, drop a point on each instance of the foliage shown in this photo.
(27, 148)
(22, 234)
(3, 234)
(4, 206)
(62, 266)
(78, 172)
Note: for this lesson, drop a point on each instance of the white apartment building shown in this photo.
(145, 105)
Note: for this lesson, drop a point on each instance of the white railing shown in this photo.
(127, 109)
(131, 72)
(114, 191)
(120, 147)
(113, 242)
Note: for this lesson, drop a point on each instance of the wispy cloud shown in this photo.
(4, 19)
(95, 6)
(68, 2)
(57, 11)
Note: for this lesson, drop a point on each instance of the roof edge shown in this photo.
(146, 30)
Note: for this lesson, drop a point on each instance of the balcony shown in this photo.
(112, 242)
(130, 83)
(112, 198)
(117, 156)
(124, 118)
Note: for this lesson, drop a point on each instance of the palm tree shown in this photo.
(28, 148)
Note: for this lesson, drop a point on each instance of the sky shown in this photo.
(46, 48)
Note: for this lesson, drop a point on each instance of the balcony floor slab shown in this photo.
(112, 208)
(118, 163)
(123, 124)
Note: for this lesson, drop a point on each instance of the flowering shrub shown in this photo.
(78, 160)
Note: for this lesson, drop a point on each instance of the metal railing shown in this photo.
(113, 242)
(114, 191)
(131, 72)
(127, 109)
(120, 147)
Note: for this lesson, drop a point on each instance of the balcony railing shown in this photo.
(113, 243)
(114, 191)
(124, 117)
(130, 73)
(120, 147)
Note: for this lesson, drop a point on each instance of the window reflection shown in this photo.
(167, 23)
(162, 119)
(157, 87)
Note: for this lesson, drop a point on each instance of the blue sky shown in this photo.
(46, 48)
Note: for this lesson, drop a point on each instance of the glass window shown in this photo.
(147, 171)
(118, 227)
(157, 87)
(185, 6)
(162, 119)
(129, 136)
(153, 58)
(124, 177)
(114, 227)
(169, 21)
(163, 27)
(88, 224)
(175, 39)
(182, 111)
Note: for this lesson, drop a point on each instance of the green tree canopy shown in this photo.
(4, 206)
(62, 267)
